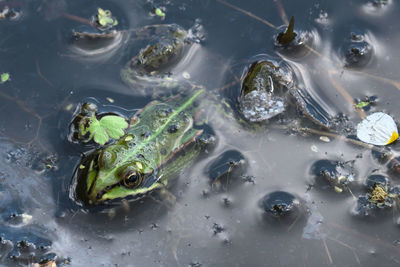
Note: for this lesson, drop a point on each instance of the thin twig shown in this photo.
(29, 111)
(77, 18)
(41, 75)
(282, 12)
(394, 83)
(327, 251)
(347, 246)
(376, 241)
(339, 137)
(247, 13)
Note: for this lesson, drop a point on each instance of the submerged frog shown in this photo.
(162, 140)
(263, 90)
(269, 86)
(161, 63)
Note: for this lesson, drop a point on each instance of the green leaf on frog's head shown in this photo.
(363, 104)
(100, 136)
(110, 126)
(159, 12)
(285, 38)
(5, 77)
(104, 21)
(114, 125)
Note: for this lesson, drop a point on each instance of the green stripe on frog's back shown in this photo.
(136, 144)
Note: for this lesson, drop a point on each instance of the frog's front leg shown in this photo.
(164, 197)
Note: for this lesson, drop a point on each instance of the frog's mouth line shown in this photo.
(147, 181)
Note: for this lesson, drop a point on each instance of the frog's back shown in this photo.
(163, 130)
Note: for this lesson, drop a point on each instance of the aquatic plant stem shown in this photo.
(282, 12)
(247, 13)
(339, 137)
(327, 251)
(29, 111)
(347, 246)
(77, 18)
(378, 242)
(41, 75)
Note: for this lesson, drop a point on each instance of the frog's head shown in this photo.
(113, 173)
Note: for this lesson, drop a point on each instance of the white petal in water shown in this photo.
(377, 129)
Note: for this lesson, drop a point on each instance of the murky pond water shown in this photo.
(284, 188)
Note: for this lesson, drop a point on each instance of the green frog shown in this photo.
(161, 141)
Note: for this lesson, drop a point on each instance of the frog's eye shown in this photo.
(132, 179)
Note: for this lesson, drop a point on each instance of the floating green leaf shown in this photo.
(363, 104)
(159, 12)
(105, 18)
(107, 127)
(5, 77)
(101, 12)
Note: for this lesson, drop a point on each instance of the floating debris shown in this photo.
(377, 129)
(332, 174)
(376, 180)
(362, 104)
(69, 107)
(159, 12)
(380, 195)
(10, 14)
(5, 77)
(105, 20)
(324, 139)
